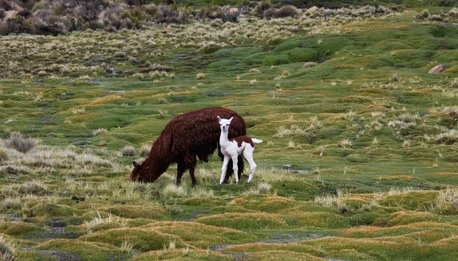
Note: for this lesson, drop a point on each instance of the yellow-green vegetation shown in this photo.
(359, 160)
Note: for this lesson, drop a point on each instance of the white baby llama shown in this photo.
(232, 148)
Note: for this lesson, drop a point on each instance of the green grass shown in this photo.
(378, 185)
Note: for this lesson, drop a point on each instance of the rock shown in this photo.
(288, 167)
(437, 69)
(310, 64)
(78, 198)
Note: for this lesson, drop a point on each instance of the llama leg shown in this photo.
(248, 155)
(229, 165)
(191, 162)
(193, 178)
(223, 169)
(235, 167)
(240, 165)
(181, 168)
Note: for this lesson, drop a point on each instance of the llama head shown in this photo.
(136, 172)
(142, 173)
(224, 123)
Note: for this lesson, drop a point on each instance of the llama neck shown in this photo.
(223, 138)
(155, 165)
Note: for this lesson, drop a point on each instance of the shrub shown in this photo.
(269, 13)
(261, 7)
(449, 137)
(19, 143)
(128, 151)
(287, 11)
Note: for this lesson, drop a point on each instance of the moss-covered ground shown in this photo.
(371, 136)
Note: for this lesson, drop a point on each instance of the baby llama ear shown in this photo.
(219, 118)
(231, 119)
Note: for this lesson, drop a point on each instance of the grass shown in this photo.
(373, 157)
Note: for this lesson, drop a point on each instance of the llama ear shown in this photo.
(231, 119)
(136, 165)
(219, 118)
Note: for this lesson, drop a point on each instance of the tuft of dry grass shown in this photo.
(172, 190)
(145, 150)
(448, 137)
(310, 131)
(27, 188)
(346, 143)
(3, 155)
(200, 76)
(331, 200)
(100, 131)
(261, 188)
(19, 143)
(447, 201)
(100, 220)
(455, 83)
(128, 151)
(7, 249)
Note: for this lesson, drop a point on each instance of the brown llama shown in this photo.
(186, 138)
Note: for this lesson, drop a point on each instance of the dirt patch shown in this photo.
(61, 256)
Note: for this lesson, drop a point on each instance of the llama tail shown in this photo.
(256, 141)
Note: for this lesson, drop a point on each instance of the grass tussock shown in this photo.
(448, 137)
(27, 188)
(128, 151)
(7, 249)
(182, 254)
(201, 235)
(48, 159)
(18, 142)
(446, 202)
(260, 189)
(142, 239)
